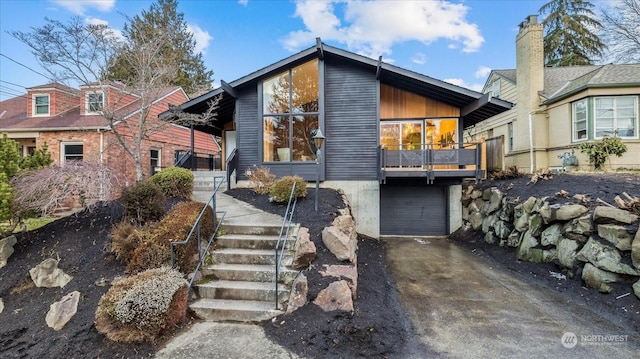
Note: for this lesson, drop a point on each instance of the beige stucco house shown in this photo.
(556, 108)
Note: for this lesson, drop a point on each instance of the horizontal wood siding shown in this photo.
(351, 123)
(248, 131)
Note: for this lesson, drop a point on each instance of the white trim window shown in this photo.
(579, 120)
(94, 102)
(494, 88)
(41, 105)
(71, 151)
(155, 160)
(616, 114)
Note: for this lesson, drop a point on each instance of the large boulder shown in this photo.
(63, 310)
(520, 218)
(337, 296)
(349, 272)
(568, 212)
(514, 238)
(605, 257)
(551, 235)
(526, 249)
(635, 250)
(578, 229)
(599, 279)
(47, 274)
(6, 249)
(305, 250)
(476, 220)
(616, 235)
(535, 224)
(506, 212)
(606, 214)
(298, 296)
(567, 249)
(488, 222)
(341, 244)
(503, 229)
(494, 201)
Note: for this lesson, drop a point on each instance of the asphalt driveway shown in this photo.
(463, 308)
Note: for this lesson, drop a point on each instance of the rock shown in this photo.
(341, 244)
(606, 214)
(475, 219)
(299, 292)
(476, 193)
(494, 201)
(503, 229)
(473, 207)
(514, 239)
(6, 249)
(506, 212)
(305, 250)
(598, 278)
(636, 289)
(529, 204)
(1, 305)
(47, 274)
(535, 224)
(605, 257)
(62, 311)
(578, 229)
(488, 222)
(616, 235)
(545, 212)
(567, 249)
(551, 235)
(465, 213)
(526, 250)
(487, 192)
(490, 237)
(635, 250)
(549, 255)
(520, 218)
(568, 212)
(349, 272)
(337, 296)
(344, 222)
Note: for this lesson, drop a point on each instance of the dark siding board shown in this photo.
(248, 128)
(351, 122)
(413, 210)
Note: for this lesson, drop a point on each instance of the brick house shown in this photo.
(558, 108)
(68, 120)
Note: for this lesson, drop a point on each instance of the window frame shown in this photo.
(574, 128)
(510, 135)
(615, 116)
(35, 104)
(158, 159)
(494, 88)
(64, 157)
(87, 103)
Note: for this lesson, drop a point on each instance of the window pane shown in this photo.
(390, 135)
(276, 139)
(441, 133)
(304, 127)
(41, 105)
(73, 152)
(94, 102)
(276, 94)
(305, 87)
(411, 136)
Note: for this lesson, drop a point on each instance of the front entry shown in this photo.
(417, 210)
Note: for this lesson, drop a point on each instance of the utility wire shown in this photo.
(11, 83)
(27, 67)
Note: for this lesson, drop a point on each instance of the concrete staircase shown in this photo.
(203, 180)
(240, 283)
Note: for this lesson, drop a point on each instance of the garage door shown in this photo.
(413, 210)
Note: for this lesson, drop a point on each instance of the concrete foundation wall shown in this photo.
(455, 208)
(364, 197)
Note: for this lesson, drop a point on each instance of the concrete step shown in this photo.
(242, 290)
(250, 241)
(249, 273)
(234, 310)
(262, 229)
(248, 256)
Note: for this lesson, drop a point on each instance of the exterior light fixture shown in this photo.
(318, 139)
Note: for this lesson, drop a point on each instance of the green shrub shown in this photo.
(174, 182)
(281, 189)
(150, 246)
(260, 179)
(40, 158)
(144, 202)
(600, 151)
(142, 306)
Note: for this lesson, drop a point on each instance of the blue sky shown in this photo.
(455, 41)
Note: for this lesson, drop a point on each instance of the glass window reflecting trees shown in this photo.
(290, 114)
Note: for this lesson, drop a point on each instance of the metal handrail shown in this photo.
(196, 229)
(182, 159)
(286, 223)
(232, 165)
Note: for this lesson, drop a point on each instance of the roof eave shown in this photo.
(589, 86)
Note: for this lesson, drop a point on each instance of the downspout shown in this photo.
(101, 146)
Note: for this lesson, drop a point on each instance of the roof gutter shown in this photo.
(590, 86)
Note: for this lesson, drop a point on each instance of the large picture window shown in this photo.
(290, 114)
(613, 114)
(579, 120)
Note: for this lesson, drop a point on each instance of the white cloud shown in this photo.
(80, 6)
(419, 58)
(243, 2)
(95, 21)
(371, 28)
(201, 36)
(482, 72)
(463, 83)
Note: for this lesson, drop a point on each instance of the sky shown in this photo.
(455, 41)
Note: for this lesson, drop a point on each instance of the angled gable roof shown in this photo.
(626, 75)
(477, 106)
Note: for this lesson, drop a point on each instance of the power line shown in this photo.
(13, 95)
(11, 83)
(27, 67)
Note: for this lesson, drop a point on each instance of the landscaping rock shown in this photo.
(598, 278)
(1, 305)
(6, 249)
(490, 237)
(506, 212)
(635, 250)
(298, 296)
(488, 222)
(475, 219)
(62, 311)
(503, 229)
(545, 211)
(47, 274)
(526, 250)
(636, 289)
(341, 244)
(349, 272)
(606, 214)
(529, 204)
(569, 212)
(337, 296)
(551, 235)
(578, 229)
(605, 257)
(535, 224)
(514, 239)
(305, 250)
(567, 249)
(616, 235)
(493, 204)
(520, 218)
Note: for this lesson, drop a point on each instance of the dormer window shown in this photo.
(41, 105)
(94, 103)
(494, 88)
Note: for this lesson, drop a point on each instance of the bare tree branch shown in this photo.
(622, 31)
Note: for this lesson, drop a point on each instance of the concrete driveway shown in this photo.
(463, 308)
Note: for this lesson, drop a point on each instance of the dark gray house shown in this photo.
(394, 138)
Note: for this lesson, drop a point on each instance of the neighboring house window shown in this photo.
(155, 160)
(510, 129)
(94, 102)
(71, 151)
(616, 114)
(41, 105)
(579, 120)
(494, 88)
(290, 114)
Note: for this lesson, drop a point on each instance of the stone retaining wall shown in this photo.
(600, 242)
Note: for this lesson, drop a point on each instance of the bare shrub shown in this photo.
(142, 306)
(510, 172)
(50, 188)
(260, 179)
